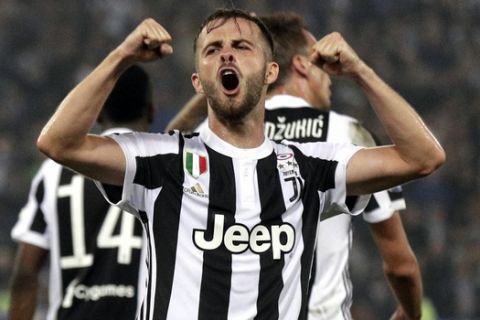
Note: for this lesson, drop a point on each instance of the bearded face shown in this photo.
(231, 63)
(234, 108)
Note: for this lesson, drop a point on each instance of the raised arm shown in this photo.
(66, 139)
(415, 151)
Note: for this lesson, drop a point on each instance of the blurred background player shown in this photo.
(298, 109)
(95, 249)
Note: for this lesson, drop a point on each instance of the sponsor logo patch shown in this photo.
(196, 190)
(238, 238)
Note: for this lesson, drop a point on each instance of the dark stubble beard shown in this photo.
(227, 109)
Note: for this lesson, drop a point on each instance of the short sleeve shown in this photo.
(335, 197)
(384, 204)
(140, 151)
(32, 225)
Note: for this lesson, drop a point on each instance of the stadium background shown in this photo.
(428, 50)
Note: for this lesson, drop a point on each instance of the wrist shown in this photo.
(363, 74)
(119, 61)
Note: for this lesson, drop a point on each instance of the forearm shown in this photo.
(415, 143)
(408, 291)
(77, 113)
(399, 263)
(23, 299)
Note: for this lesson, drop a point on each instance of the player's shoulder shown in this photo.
(350, 129)
(148, 144)
(342, 118)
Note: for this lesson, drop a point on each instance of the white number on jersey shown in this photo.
(125, 241)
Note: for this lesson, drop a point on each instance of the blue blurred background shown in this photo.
(428, 50)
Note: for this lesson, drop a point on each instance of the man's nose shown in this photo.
(227, 55)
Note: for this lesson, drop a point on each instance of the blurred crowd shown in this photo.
(428, 50)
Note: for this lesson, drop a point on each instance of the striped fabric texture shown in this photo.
(231, 232)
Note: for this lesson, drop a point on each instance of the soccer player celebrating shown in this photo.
(231, 217)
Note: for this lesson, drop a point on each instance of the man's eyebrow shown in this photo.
(219, 43)
(242, 40)
(216, 43)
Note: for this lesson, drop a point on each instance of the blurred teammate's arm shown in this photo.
(191, 114)
(400, 266)
(24, 284)
(66, 139)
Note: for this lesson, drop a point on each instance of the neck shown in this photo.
(301, 89)
(292, 88)
(246, 134)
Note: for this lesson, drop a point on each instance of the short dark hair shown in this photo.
(287, 30)
(130, 99)
(223, 15)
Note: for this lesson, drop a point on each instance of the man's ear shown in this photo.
(197, 83)
(272, 72)
(300, 65)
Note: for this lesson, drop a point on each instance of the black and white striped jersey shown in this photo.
(292, 118)
(94, 248)
(231, 231)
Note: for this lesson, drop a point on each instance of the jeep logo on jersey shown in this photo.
(195, 164)
(237, 238)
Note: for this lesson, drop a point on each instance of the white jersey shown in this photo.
(292, 118)
(94, 248)
(231, 231)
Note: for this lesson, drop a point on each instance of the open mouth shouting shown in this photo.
(230, 81)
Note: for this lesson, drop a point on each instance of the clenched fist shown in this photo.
(335, 56)
(148, 42)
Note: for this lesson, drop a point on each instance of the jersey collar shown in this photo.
(223, 147)
(285, 101)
